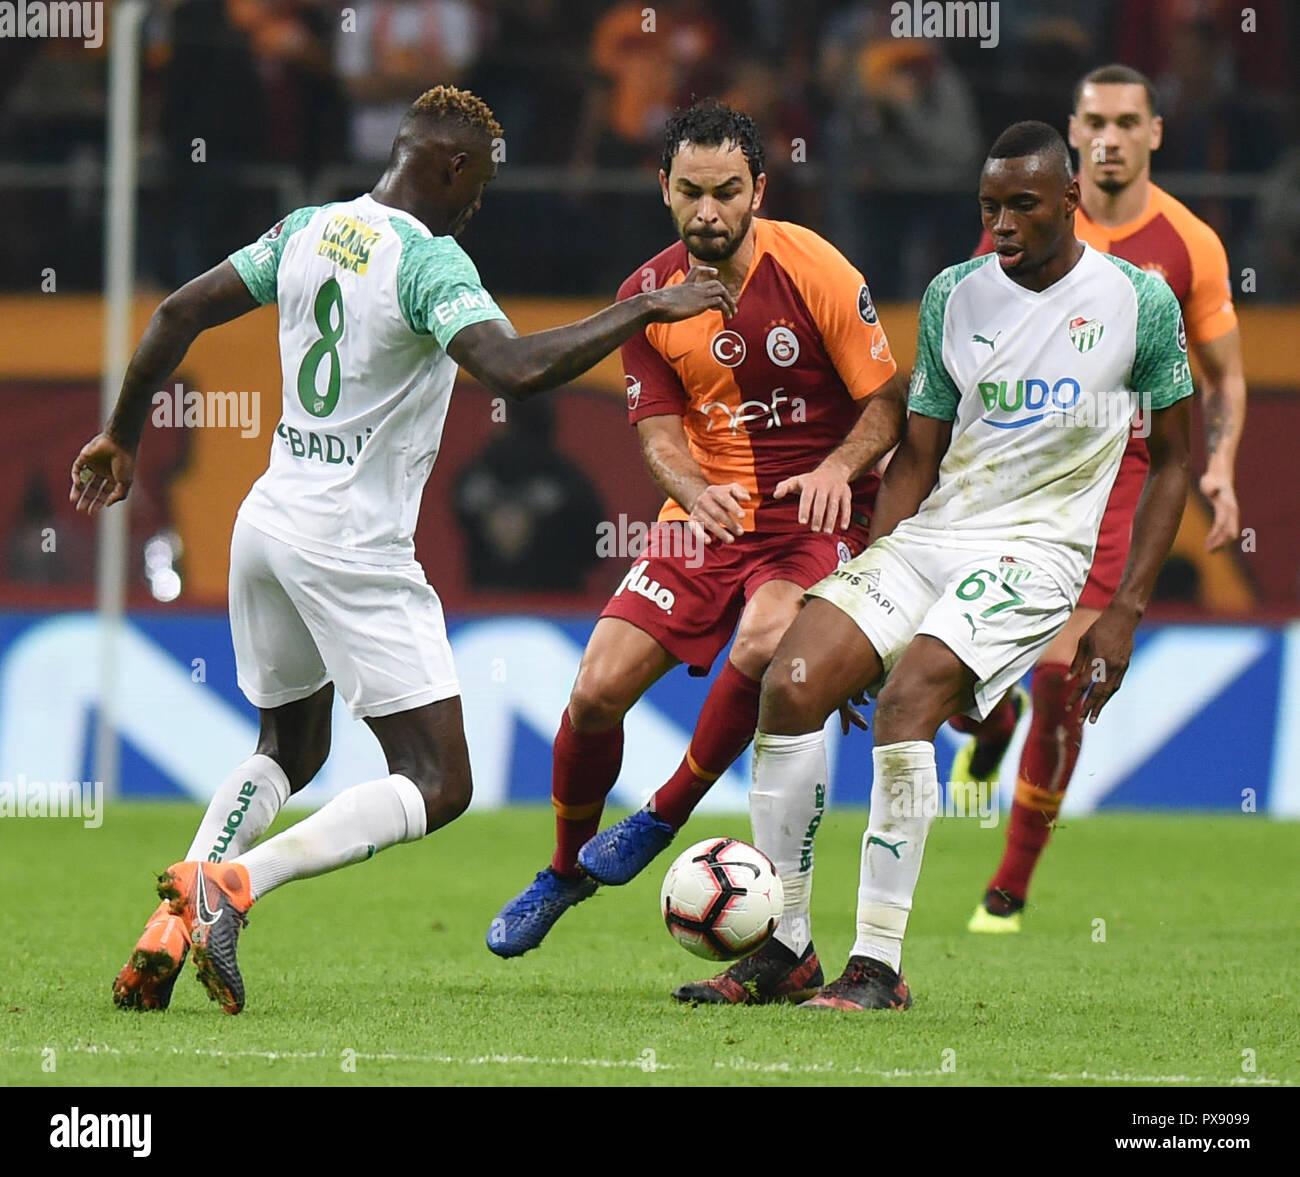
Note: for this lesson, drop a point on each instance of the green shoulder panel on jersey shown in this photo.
(438, 287)
(932, 392)
(1160, 371)
(258, 264)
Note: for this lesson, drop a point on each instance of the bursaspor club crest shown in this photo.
(1085, 334)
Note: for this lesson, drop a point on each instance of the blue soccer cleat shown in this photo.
(523, 923)
(617, 855)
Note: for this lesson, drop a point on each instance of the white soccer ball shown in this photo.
(722, 899)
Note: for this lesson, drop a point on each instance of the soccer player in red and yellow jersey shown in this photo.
(1114, 129)
(762, 429)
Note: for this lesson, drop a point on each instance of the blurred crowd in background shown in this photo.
(873, 140)
(249, 108)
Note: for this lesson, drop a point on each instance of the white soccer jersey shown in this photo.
(1041, 389)
(368, 301)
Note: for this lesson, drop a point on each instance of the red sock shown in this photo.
(1000, 724)
(726, 724)
(1051, 750)
(584, 767)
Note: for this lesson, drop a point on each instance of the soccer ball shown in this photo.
(722, 899)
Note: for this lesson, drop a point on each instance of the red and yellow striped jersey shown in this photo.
(772, 391)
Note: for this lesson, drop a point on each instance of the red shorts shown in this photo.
(689, 598)
(1116, 531)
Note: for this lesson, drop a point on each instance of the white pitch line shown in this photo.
(308, 1055)
(737, 1064)
(743, 1064)
(1054, 1076)
(1236, 1081)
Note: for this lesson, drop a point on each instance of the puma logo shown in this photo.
(892, 848)
(991, 342)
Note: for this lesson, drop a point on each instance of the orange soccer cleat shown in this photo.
(149, 975)
(212, 900)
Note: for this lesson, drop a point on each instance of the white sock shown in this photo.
(241, 810)
(904, 802)
(354, 826)
(786, 802)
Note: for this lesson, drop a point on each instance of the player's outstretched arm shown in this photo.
(1223, 405)
(912, 472)
(520, 366)
(104, 469)
(1104, 650)
(826, 493)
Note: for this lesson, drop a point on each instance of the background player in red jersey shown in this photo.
(1114, 129)
(763, 430)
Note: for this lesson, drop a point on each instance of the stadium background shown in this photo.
(290, 109)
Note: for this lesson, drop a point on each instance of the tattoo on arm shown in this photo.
(673, 469)
(1214, 423)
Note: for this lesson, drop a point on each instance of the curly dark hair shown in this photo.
(710, 123)
(448, 104)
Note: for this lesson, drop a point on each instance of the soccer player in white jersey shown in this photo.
(1030, 365)
(377, 307)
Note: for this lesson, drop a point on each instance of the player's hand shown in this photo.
(101, 475)
(825, 498)
(1101, 660)
(1227, 516)
(851, 716)
(717, 513)
(701, 291)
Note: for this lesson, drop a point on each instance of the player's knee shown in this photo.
(451, 801)
(313, 762)
(596, 703)
(889, 708)
(756, 645)
(297, 737)
(789, 705)
(299, 765)
(904, 711)
(445, 799)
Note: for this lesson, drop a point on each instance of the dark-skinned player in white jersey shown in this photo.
(378, 306)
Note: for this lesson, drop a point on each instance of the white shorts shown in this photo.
(996, 610)
(300, 620)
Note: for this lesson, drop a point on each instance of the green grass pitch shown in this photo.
(378, 974)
